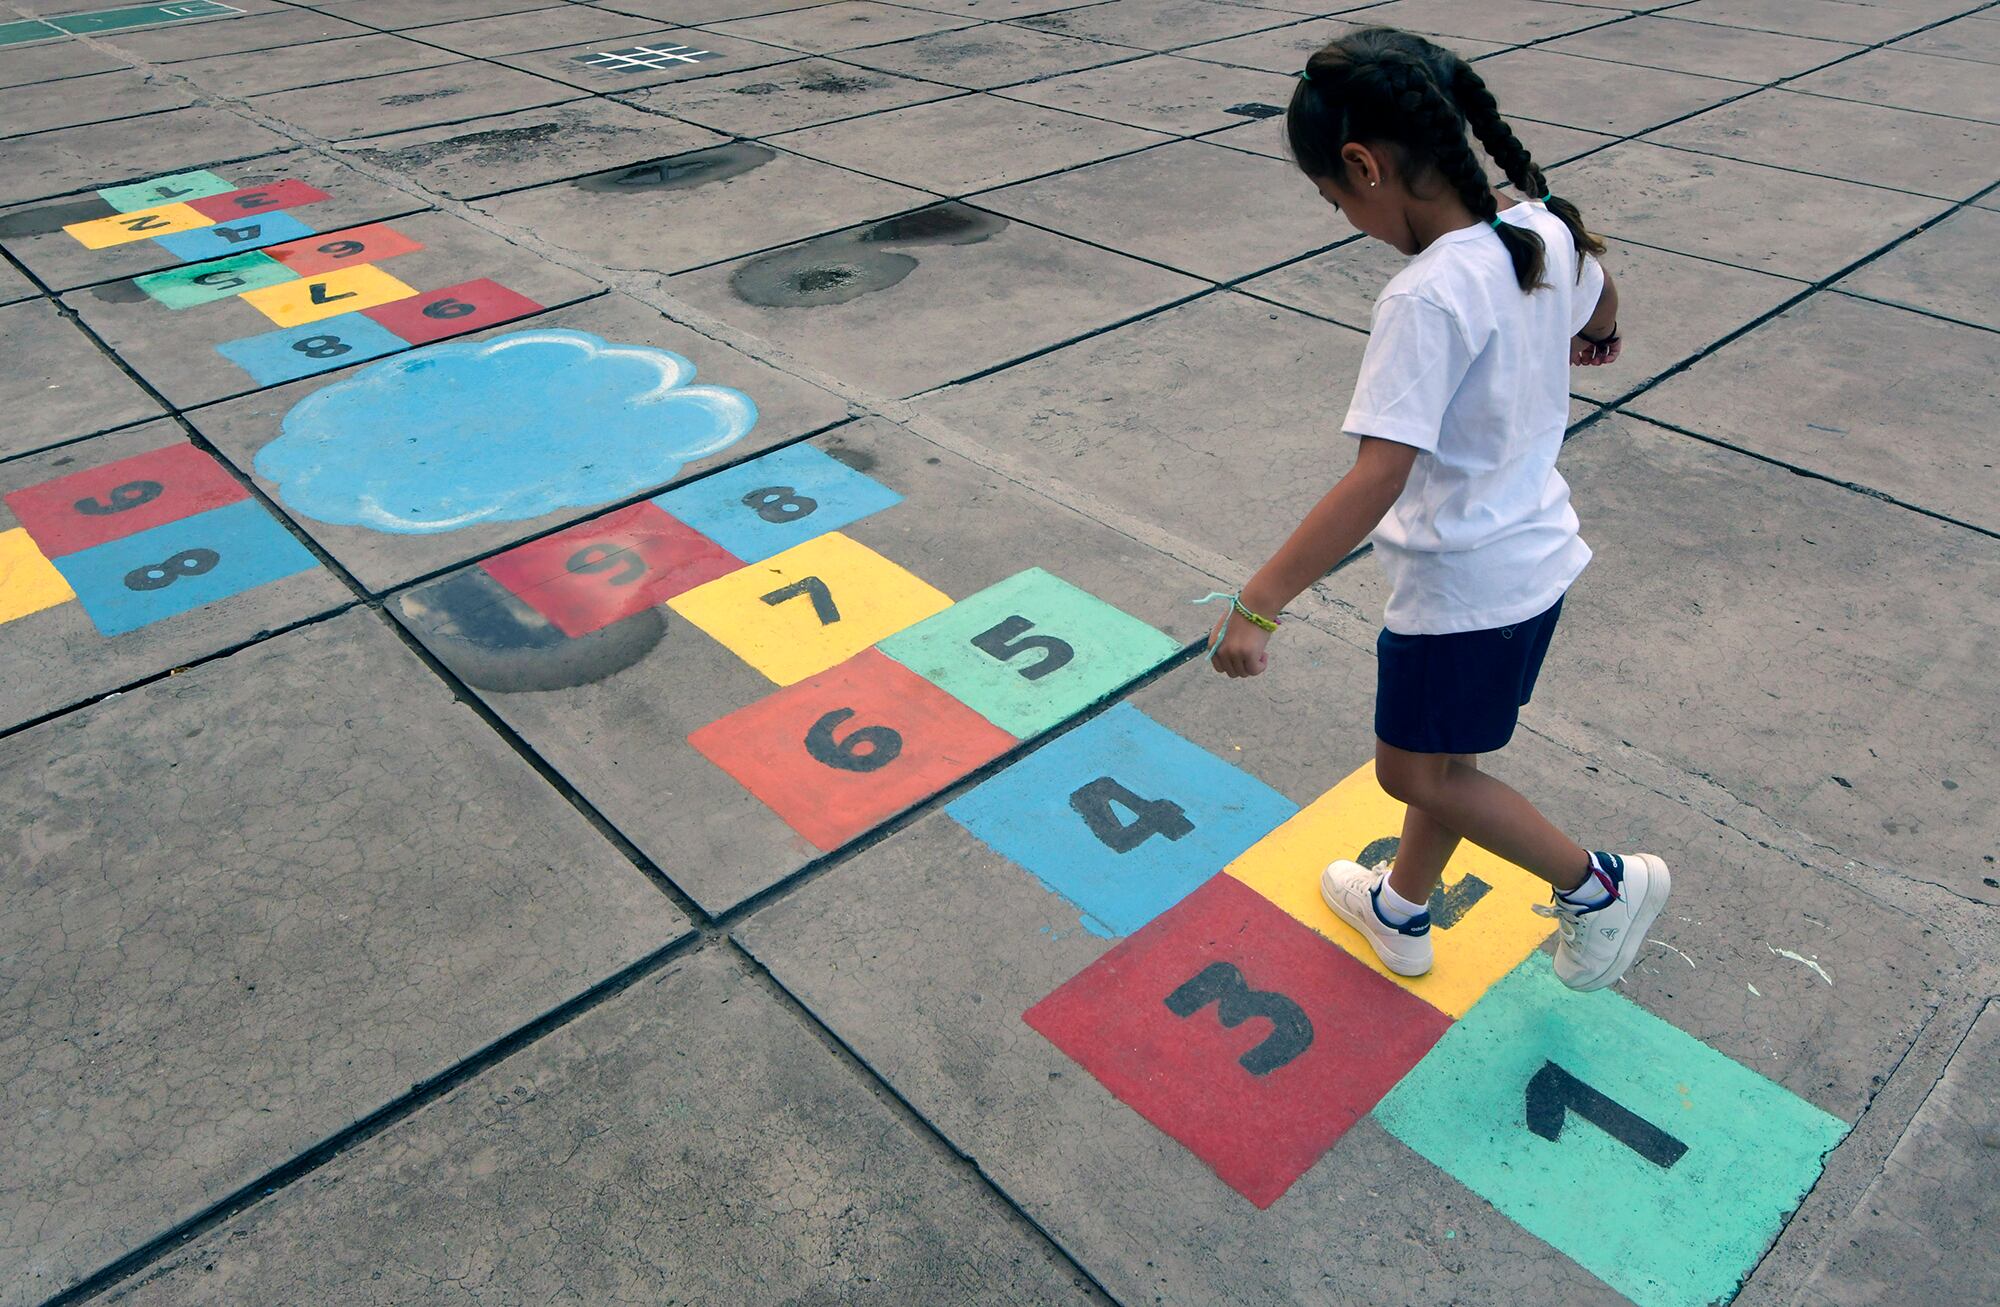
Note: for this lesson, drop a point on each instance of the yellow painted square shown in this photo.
(346, 290)
(28, 582)
(139, 225)
(785, 638)
(1486, 943)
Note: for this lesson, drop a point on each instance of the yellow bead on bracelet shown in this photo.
(1255, 619)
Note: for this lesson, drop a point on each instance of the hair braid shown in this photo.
(1482, 113)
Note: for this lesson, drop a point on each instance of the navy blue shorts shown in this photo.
(1459, 693)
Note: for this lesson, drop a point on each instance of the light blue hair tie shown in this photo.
(1495, 222)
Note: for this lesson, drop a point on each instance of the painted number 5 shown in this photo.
(1010, 638)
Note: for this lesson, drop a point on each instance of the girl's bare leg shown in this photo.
(1462, 799)
(1425, 848)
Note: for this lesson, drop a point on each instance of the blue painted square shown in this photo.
(252, 233)
(319, 346)
(1658, 1164)
(769, 504)
(170, 569)
(1122, 817)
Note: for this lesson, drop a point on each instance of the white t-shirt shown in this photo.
(1465, 367)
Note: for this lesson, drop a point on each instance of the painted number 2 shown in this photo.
(1553, 1092)
(1235, 1002)
(822, 598)
(121, 499)
(1150, 817)
(188, 562)
(1448, 903)
(866, 748)
(1010, 639)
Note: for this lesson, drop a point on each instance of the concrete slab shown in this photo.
(537, 29)
(687, 210)
(922, 300)
(59, 384)
(1567, 89)
(1755, 217)
(617, 710)
(711, 11)
(1510, 21)
(517, 150)
(34, 233)
(1368, 1221)
(397, 102)
(105, 154)
(1164, 93)
(66, 612)
(1915, 1235)
(242, 329)
(1873, 736)
(1928, 83)
(1835, 20)
(1974, 37)
(47, 63)
(396, 16)
(1676, 306)
(804, 93)
(78, 101)
(254, 987)
(258, 72)
(1286, 49)
(1116, 415)
(1664, 41)
(991, 55)
(1948, 269)
(795, 1179)
(1806, 389)
(1948, 157)
(468, 468)
(14, 285)
(1208, 231)
(279, 28)
(1156, 25)
(972, 143)
(849, 25)
(652, 58)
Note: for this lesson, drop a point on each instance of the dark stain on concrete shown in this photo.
(45, 218)
(941, 224)
(843, 267)
(496, 642)
(1254, 110)
(418, 97)
(858, 459)
(681, 172)
(119, 292)
(497, 145)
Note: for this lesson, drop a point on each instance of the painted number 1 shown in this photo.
(822, 598)
(1150, 817)
(1553, 1092)
(1010, 639)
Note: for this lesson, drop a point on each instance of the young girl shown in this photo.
(1460, 411)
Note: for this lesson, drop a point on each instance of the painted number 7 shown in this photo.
(1011, 638)
(822, 598)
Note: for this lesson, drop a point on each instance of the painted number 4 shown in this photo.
(1150, 817)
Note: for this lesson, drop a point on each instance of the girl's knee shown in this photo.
(1405, 777)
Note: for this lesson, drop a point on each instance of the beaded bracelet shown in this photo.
(1257, 620)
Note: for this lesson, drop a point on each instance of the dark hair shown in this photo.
(1382, 84)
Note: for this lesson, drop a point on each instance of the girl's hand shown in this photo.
(1585, 353)
(1241, 651)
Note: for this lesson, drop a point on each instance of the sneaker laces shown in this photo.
(1568, 919)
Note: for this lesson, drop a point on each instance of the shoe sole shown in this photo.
(1401, 968)
(1659, 884)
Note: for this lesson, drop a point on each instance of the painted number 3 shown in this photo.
(188, 562)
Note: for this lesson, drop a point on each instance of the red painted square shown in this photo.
(340, 249)
(286, 194)
(1317, 1038)
(452, 311)
(814, 750)
(123, 498)
(585, 577)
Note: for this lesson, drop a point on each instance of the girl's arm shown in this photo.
(1598, 342)
(1331, 531)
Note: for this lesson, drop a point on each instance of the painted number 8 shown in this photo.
(780, 504)
(322, 347)
(188, 562)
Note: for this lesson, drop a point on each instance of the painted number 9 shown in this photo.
(780, 504)
(866, 748)
(188, 562)
(627, 565)
(121, 499)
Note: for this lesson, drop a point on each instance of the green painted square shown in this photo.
(1030, 652)
(22, 33)
(116, 20)
(218, 279)
(1613, 1083)
(177, 189)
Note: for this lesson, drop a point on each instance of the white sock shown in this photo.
(1395, 909)
(1590, 894)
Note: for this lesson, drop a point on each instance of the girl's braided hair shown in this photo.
(1381, 84)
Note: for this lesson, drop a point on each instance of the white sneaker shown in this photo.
(1353, 892)
(1599, 944)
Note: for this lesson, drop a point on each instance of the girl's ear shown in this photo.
(1364, 167)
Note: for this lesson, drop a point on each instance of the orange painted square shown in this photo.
(850, 714)
(312, 255)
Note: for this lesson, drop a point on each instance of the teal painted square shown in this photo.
(186, 564)
(1180, 814)
(177, 189)
(117, 20)
(1682, 1235)
(287, 355)
(1027, 692)
(24, 32)
(218, 279)
(252, 233)
(785, 498)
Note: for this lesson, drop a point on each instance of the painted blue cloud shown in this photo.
(499, 430)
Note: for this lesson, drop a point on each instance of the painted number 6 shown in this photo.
(866, 749)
